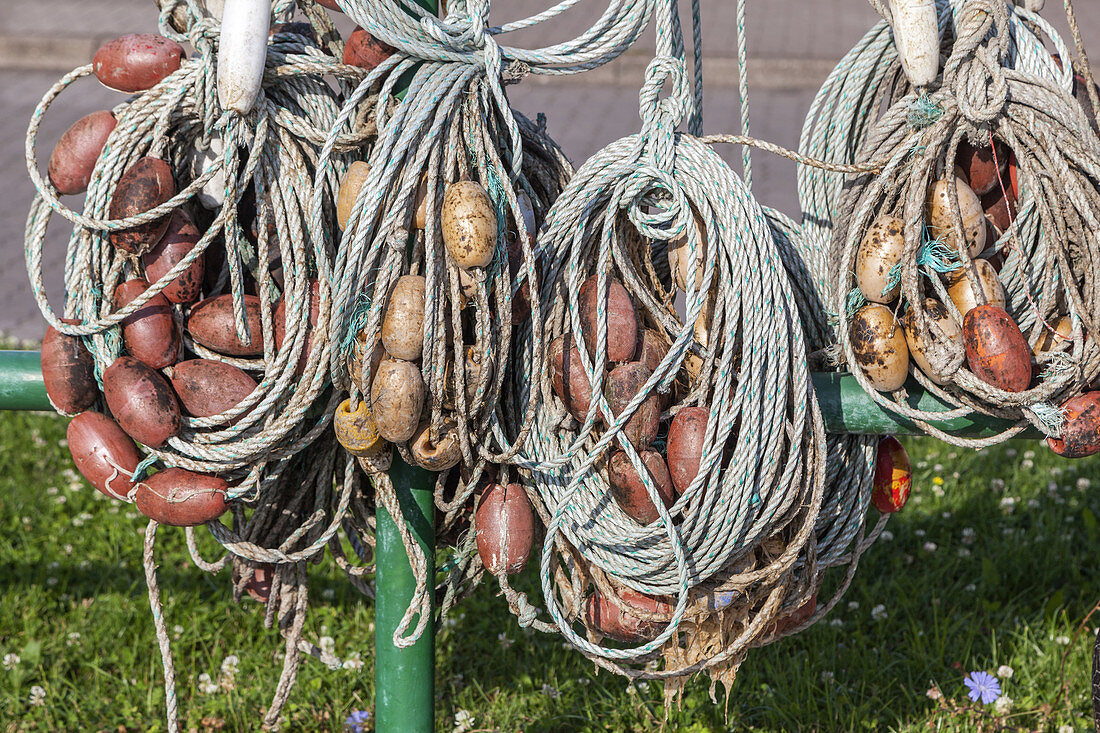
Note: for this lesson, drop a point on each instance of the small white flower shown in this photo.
(51, 581)
(1003, 706)
(934, 693)
(929, 547)
(505, 642)
(946, 515)
(964, 552)
(67, 549)
(937, 491)
(1065, 729)
(177, 630)
(327, 644)
(551, 692)
(919, 533)
(73, 638)
(38, 695)
(328, 594)
(1027, 463)
(1062, 639)
(11, 661)
(206, 685)
(938, 468)
(836, 622)
(970, 588)
(1083, 483)
(886, 536)
(353, 661)
(229, 664)
(77, 521)
(878, 613)
(1004, 672)
(1029, 454)
(853, 605)
(997, 484)
(464, 721)
(969, 536)
(827, 676)
(1033, 503)
(52, 491)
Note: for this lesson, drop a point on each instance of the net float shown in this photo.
(788, 622)
(397, 397)
(473, 362)
(679, 255)
(917, 36)
(260, 577)
(103, 453)
(504, 526)
(206, 387)
(212, 194)
(420, 217)
(568, 378)
(893, 478)
(74, 157)
(142, 402)
(880, 348)
(620, 387)
(242, 53)
(212, 325)
(1081, 429)
(68, 371)
(999, 208)
(444, 453)
(622, 319)
(179, 239)
(350, 185)
(136, 62)
(938, 209)
(356, 429)
(403, 323)
(360, 350)
(469, 224)
(996, 351)
(629, 490)
(963, 293)
(149, 333)
(684, 448)
(618, 623)
(1055, 336)
(148, 183)
(922, 346)
(879, 252)
(982, 167)
(314, 294)
(365, 51)
(181, 498)
(652, 349)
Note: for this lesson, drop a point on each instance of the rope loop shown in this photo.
(975, 70)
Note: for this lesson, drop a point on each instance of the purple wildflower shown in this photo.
(357, 722)
(984, 686)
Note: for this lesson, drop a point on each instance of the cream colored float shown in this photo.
(242, 53)
(916, 34)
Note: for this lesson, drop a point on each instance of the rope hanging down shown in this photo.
(967, 348)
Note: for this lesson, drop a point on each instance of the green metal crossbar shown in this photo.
(404, 678)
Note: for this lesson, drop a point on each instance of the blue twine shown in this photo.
(923, 112)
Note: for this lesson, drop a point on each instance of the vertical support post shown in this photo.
(404, 679)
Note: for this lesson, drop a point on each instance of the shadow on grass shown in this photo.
(971, 580)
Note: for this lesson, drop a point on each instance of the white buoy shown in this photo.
(213, 8)
(242, 52)
(916, 34)
(212, 195)
(1033, 5)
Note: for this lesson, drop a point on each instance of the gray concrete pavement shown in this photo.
(793, 44)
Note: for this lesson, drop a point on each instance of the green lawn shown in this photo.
(998, 570)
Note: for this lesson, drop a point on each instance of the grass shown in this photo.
(1012, 592)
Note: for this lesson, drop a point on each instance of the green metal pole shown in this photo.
(404, 679)
(21, 386)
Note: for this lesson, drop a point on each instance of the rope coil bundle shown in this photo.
(979, 103)
(669, 575)
(437, 264)
(255, 400)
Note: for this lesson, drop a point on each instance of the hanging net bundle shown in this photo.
(994, 321)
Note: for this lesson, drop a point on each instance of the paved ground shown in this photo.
(793, 44)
